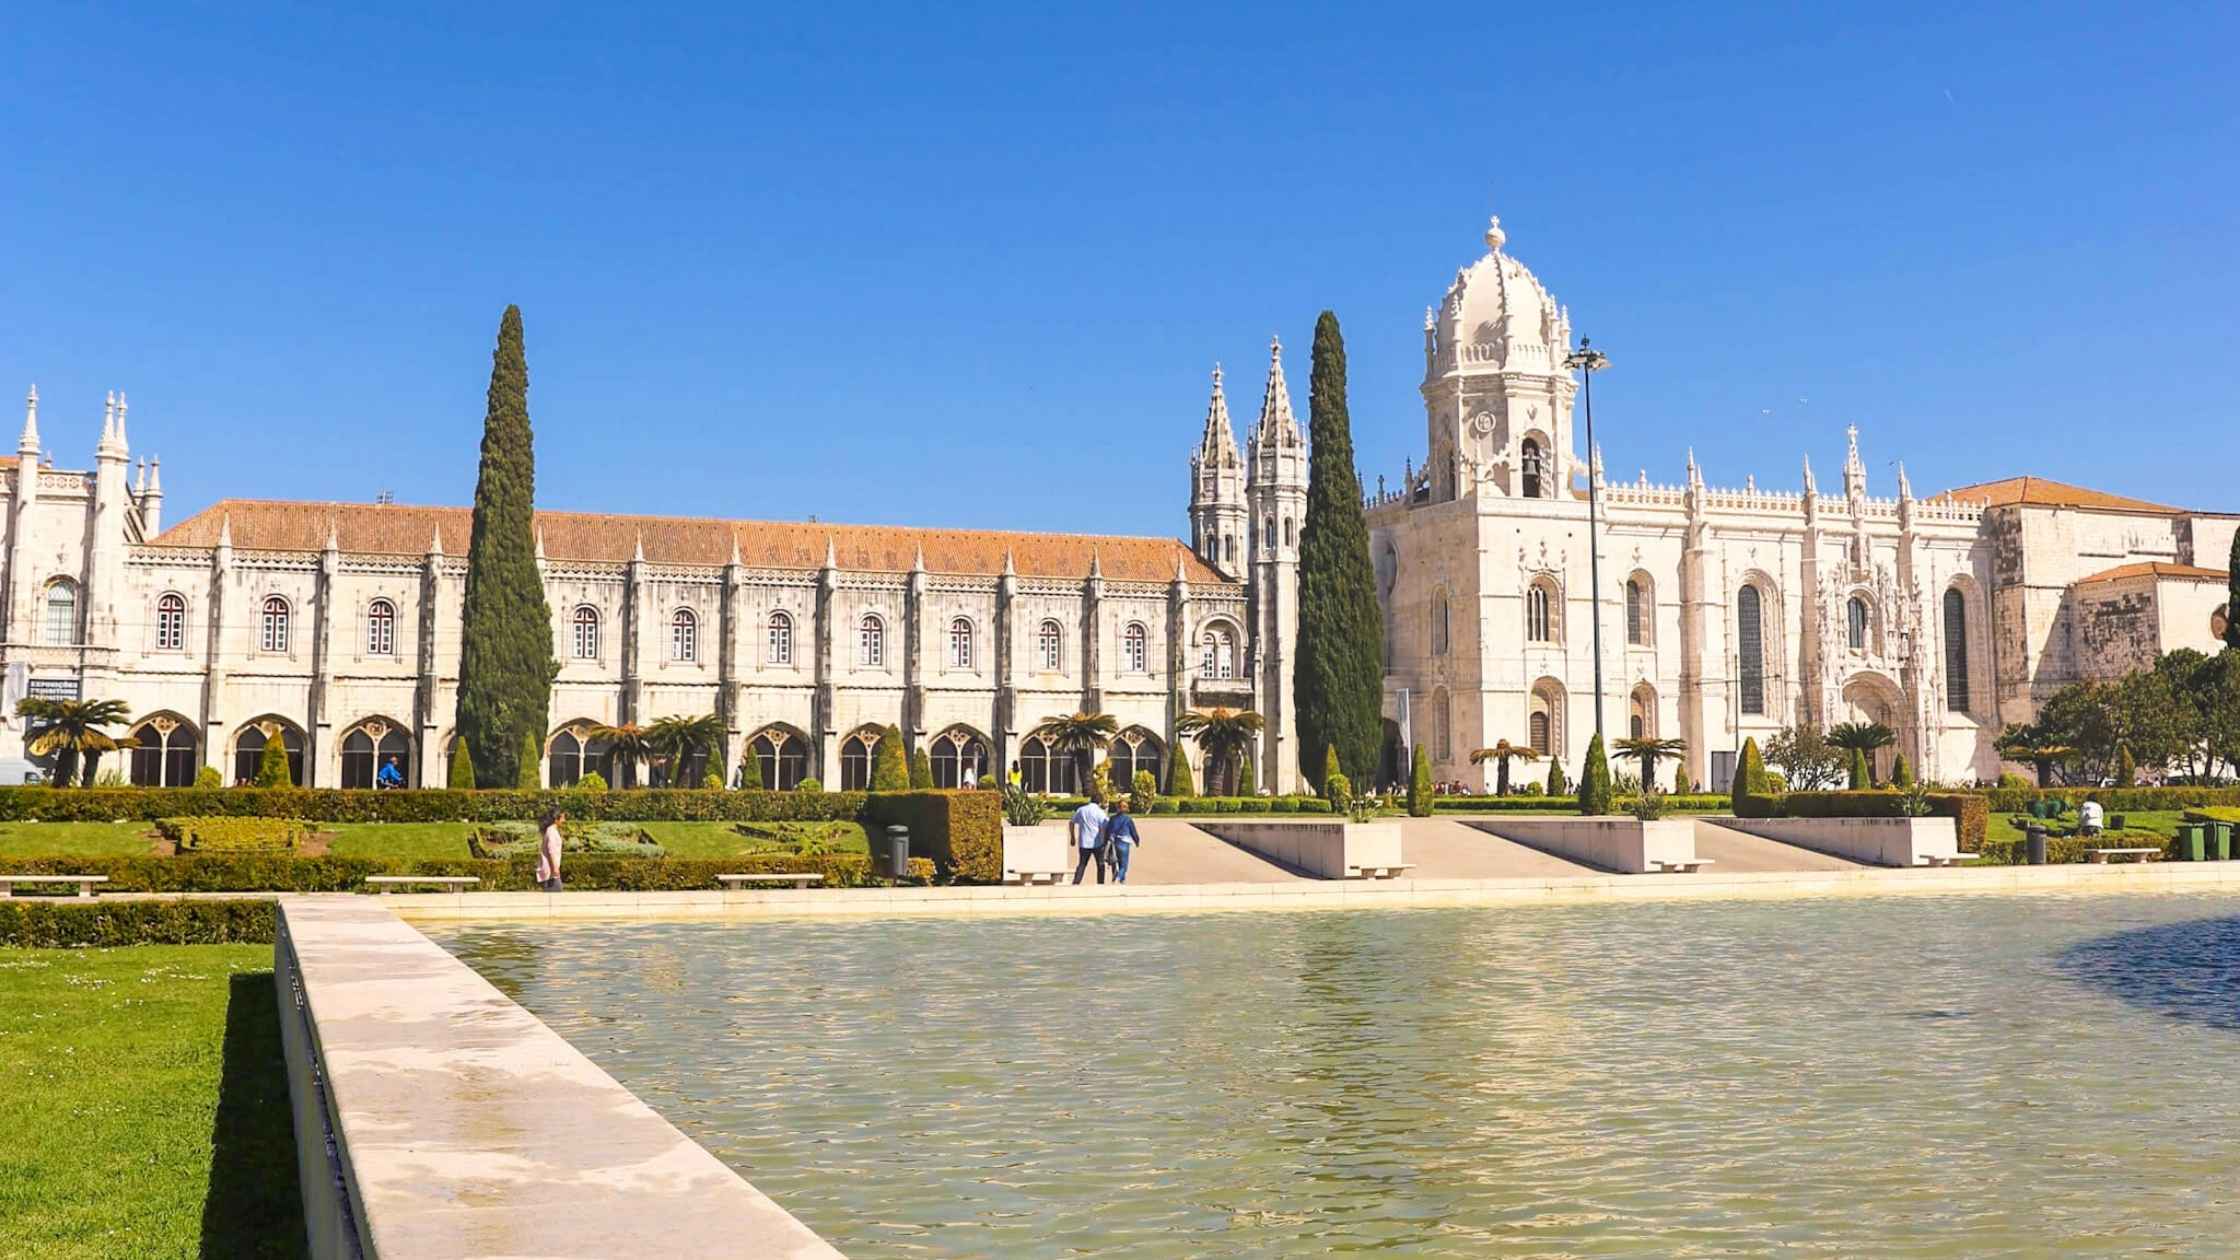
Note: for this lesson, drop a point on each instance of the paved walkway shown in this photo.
(1174, 852)
(1443, 848)
(1739, 853)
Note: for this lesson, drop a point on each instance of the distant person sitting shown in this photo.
(390, 776)
(2091, 819)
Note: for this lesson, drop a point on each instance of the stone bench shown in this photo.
(1941, 859)
(2104, 856)
(798, 879)
(1393, 871)
(1031, 878)
(449, 883)
(1689, 867)
(85, 883)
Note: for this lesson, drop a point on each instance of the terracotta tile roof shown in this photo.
(364, 528)
(2039, 492)
(2157, 569)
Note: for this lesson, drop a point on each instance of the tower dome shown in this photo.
(1497, 317)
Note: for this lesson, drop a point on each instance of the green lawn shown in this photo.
(76, 839)
(2161, 821)
(414, 840)
(146, 1108)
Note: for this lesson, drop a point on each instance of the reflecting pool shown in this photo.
(1903, 1076)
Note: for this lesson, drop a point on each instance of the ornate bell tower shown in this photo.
(1217, 499)
(1277, 493)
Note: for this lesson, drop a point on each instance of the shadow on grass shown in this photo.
(254, 1207)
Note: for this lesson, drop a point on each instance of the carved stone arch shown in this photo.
(249, 740)
(368, 750)
(859, 754)
(1641, 711)
(1873, 696)
(165, 752)
(1639, 593)
(1545, 717)
(782, 753)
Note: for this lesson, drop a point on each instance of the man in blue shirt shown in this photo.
(1120, 839)
(390, 776)
(1088, 836)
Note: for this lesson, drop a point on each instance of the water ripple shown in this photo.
(1894, 1077)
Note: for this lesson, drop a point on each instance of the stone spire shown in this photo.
(28, 444)
(1811, 487)
(435, 540)
(111, 446)
(831, 552)
(638, 549)
(1219, 437)
(122, 444)
(540, 543)
(1217, 488)
(1695, 474)
(1096, 561)
(225, 533)
(334, 535)
(1905, 488)
(1277, 426)
(1854, 468)
(918, 562)
(1495, 237)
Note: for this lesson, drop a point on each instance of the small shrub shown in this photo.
(711, 782)
(1283, 805)
(1752, 798)
(462, 766)
(750, 773)
(921, 771)
(1145, 786)
(809, 785)
(1021, 808)
(1647, 806)
(529, 766)
(1338, 790)
(1558, 785)
(1179, 780)
(208, 778)
(1594, 781)
(592, 781)
(272, 766)
(890, 770)
(1420, 793)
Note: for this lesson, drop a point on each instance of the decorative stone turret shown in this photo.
(1277, 492)
(1217, 490)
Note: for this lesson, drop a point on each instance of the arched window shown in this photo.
(62, 612)
(783, 758)
(871, 642)
(587, 633)
(1539, 615)
(1217, 656)
(1544, 718)
(1133, 750)
(1750, 649)
(1290, 533)
(381, 628)
(684, 636)
(1439, 624)
(960, 644)
(163, 753)
(1538, 732)
(855, 761)
(1637, 612)
(1045, 769)
(248, 749)
(369, 750)
(1270, 531)
(1641, 718)
(1135, 648)
(781, 639)
(1956, 697)
(1532, 468)
(573, 755)
(272, 628)
(1855, 624)
(960, 759)
(1442, 725)
(171, 623)
(1050, 645)
(1229, 549)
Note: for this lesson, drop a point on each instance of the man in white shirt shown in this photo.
(2091, 818)
(1088, 836)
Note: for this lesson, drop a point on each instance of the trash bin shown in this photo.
(2220, 842)
(2191, 842)
(898, 852)
(2034, 838)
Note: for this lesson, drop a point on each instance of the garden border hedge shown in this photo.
(960, 833)
(344, 805)
(265, 872)
(2116, 799)
(38, 923)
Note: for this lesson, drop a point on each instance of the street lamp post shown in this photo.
(1587, 361)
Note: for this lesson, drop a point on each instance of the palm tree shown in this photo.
(1649, 751)
(1862, 738)
(1503, 753)
(1080, 734)
(1225, 736)
(627, 746)
(2040, 749)
(70, 732)
(672, 740)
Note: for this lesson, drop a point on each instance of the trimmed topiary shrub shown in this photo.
(890, 772)
(1557, 784)
(1861, 777)
(272, 766)
(1595, 796)
(462, 767)
(921, 771)
(1901, 774)
(530, 774)
(592, 781)
(1179, 780)
(750, 773)
(1144, 790)
(1419, 785)
(208, 778)
(1752, 799)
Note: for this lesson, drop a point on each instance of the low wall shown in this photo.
(436, 1119)
(1040, 850)
(1628, 846)
(1874, 841)
(1328, 849)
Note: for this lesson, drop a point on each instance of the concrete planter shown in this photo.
(1328, 849)
(1031, 854)
(1874, 841)
(1626, 845)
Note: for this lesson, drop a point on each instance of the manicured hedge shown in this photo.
(2214, 814)
(30, 923)
(233, 835)
(1186, 806)
(18, 804)
(1704, 802)
(2117, 799)
(2062, 850)
(960, 832)
(283, 873)
(1969, 812)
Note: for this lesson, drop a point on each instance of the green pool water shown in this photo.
(1904, 1076)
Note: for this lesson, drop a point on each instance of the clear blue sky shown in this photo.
(923, 265)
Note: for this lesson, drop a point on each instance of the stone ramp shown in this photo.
(1738, 853)
(1174, 852)
(1446, 848)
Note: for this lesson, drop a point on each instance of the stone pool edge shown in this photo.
(1313, 894)
(437, 1118)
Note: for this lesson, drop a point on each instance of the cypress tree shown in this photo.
(1557, 784)
(462, 766)
(890, 771)
(921, 771)
(1179, 781)
(2232, 595)
(2127, 767)
(532, 778)
(1248, 774)
(1752, 798)
(1340, 683)
(272, 767)
(750, 772)
(1594, 781)
(1861, 777)
(505, 658)
(1419, 785)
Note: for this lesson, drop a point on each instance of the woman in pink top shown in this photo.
(548, 851)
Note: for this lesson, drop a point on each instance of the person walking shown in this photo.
(548, 850)
(1088, 836)
(1120, 840)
